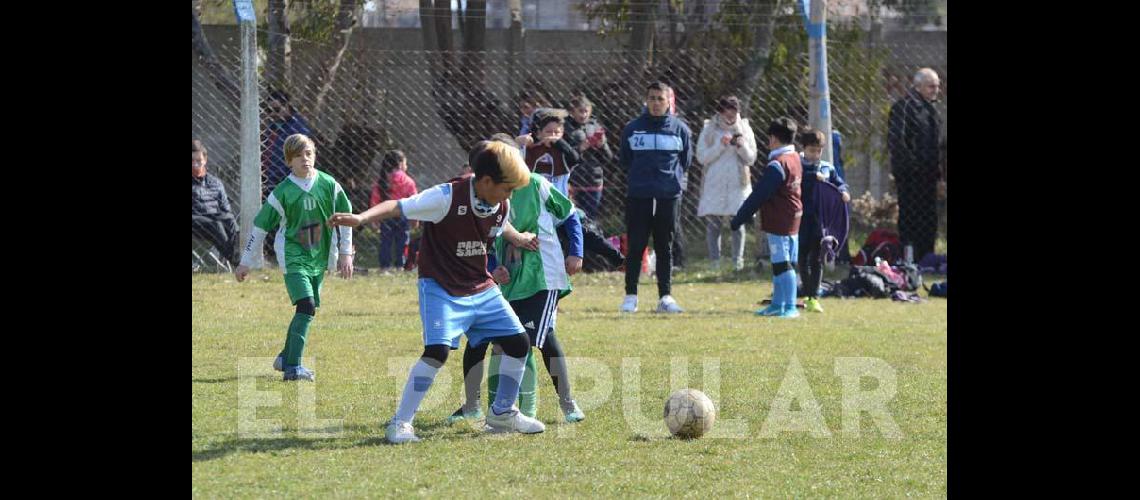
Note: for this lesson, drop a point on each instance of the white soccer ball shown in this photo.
(689, 413)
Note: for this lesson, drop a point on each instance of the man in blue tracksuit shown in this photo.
(656, 151)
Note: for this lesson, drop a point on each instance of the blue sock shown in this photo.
(790, 290)
(782, 288)
(510, 374)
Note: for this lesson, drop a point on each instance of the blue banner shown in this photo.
(244, 10)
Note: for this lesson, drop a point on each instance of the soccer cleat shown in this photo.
(668, 305)
(738, 265)
(812, 304)
(789, 312)
(571, 411)
(461, 415)
(771, 310)
(514, 421)
(400, 432)
(629, 305)
(279, 363)
(299, 373)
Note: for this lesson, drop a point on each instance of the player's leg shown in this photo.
(805, 263)
(811, 265)
(304, 293)
(496, 322)
(737, 245)
(399, 429)
(473, 357)
(783, 276)
(444, 320)
(555, 360)
(532, 312)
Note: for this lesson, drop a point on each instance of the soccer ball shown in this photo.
(689, 413)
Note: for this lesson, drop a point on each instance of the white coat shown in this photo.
(727, 181)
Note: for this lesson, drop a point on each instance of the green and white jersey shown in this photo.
(301, 209)
(536, 208)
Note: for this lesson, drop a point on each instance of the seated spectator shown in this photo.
(394, 184)
(212, 218)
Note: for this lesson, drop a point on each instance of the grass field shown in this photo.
(367, 334)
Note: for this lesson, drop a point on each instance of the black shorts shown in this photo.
(538, 314)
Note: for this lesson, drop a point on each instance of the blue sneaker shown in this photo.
(571, 411)
(279, 363)
(771, 310)
(789, 311)
(299, 373)
(461, 415)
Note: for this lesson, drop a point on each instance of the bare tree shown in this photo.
(278, 66)
(763, 20)
(206, 57)
(346, 21)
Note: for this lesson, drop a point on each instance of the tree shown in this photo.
(278, 66)
(469, 111)
(346, 21)
(206, 57)
(763, 21)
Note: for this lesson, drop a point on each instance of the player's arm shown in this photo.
(266, 220)
(764, 189)
(344, 234)
(526, 241)
(385, 210)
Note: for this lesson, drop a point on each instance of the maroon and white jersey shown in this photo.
(458, 232)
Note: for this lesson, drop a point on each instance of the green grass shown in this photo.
(370, 325)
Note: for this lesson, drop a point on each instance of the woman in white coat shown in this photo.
(726, 148)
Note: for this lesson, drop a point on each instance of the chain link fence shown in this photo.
(433, 106)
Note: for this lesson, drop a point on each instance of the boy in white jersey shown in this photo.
(456, 293)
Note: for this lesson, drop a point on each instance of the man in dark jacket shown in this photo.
(913, 137)
(656, 151)
(210, 208)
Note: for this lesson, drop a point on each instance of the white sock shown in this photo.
(419, 381)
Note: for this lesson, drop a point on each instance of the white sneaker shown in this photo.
(400, 432)
(668, 305)
(514, 421)
(738, 265)
(629, 305)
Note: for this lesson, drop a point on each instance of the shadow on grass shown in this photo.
(350, 436)
(214, 380)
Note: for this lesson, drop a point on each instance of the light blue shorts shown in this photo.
(784, 248)
(482, 316)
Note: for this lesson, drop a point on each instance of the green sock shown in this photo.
(528, 390)
(296, 338)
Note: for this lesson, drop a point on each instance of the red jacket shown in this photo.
(400, 186)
